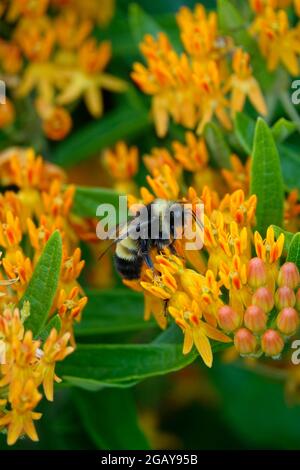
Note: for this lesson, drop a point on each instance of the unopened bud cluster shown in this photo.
(273, 314)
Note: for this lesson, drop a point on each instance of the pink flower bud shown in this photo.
(272, 343)
(255, 318)
(228, 319)
(285, 297)
(288, 321)
(257, 273)
(288, 275)
(264, 299)
(245, 341)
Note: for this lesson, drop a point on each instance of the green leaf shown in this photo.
(94, 366)
(42, 287)
(219, 150)
(88, 199)
(287, 236)
(141, 23)
(266, 179)
(111, 311)
(54, 322)
(290, 164)
(123, 123)
(110, 419)
(282, 129)
(244, 128)
(231, 22)
(294, 250)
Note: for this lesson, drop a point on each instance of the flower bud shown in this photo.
(228, 319)
(255, 318)
(288, 275)
(257, 273)
(264, 299)
(245, 341)
(272, 343)
(288, 321)
(285, 297)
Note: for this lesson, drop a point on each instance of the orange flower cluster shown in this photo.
(34, 205)
(200, 83)
(277, 40)
(223, 269)
(56, 57)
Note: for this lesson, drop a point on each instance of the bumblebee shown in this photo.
(156, 230)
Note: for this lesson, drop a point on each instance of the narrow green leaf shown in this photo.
(244, 128)
(294, 250)
(123, 123)
(290, 164)
(117, 408)
(287, 236)
(43, 285)
(282, 129)
(112, 311)
(266, 178)
(219, 150)
(94, 366)
(88, 199)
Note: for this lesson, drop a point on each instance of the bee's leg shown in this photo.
(172, 248)
(166, 307)
(144, 250)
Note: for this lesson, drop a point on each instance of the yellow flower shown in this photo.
(239, 176)
(160, 157)
(193, 155)
(187, 315)
(242, 84)
(55, 349)
(20, 419)
(35, 38)
(164, 184)
(199, 34)
(209, 82)
(277, 41)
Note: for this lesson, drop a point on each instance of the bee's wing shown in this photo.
(121, 228)
(195, 218)
(124, 230)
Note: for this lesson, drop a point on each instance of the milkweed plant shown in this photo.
(199, 105)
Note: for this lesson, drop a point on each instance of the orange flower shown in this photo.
(164, 184)
(20, 419)
(58, 123)
(242, 85)
(187, 315)
(122, 164)
(277, 41)
(55, 349)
